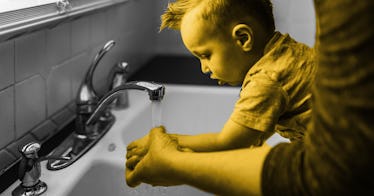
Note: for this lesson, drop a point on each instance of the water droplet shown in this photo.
(112, 147)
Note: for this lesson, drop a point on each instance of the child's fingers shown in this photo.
(141, 151)
(131, 178)
(132, 162)
(160, 129)
(132, 145)
(185, 149)
(139, 142)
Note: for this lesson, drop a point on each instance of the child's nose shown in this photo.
(204, 67)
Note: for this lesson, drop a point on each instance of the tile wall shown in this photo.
(295, 17)
(40, 72)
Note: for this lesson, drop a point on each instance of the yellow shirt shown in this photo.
(276, 92)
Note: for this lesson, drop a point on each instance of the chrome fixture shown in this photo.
(83, 137)
(120, 74)
(29, 171)
(87, 97)
(63, 6)
(99, 123)
(94, 118)
(155, 91)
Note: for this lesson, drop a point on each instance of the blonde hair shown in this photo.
(220, 12)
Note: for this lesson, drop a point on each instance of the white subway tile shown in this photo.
(81, 34)
(30, 55)
(6, 64)
(30, 104)
(58, 88)
(7, 116)
(58, 44)
(98, 27)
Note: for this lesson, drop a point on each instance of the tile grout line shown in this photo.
(14, 91)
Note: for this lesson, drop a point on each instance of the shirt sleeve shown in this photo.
(261, 102)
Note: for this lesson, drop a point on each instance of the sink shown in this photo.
(185, 109)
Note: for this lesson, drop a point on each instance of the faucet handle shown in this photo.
(123, 67)
(29, 171)
(30, 163)
(30, 150)
(119, 75)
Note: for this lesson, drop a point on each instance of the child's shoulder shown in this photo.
(286, 59)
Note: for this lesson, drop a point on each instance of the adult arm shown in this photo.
(336, 157)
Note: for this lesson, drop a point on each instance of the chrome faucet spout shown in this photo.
(155, 91)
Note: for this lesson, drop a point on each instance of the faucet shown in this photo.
(76, 145)
(155, 92)
(87, 97)
(83, 137)
(93, 116)
(29, 171)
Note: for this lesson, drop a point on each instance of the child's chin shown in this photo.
(233, 83)
(221, 83)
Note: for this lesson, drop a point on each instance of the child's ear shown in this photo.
(243, 36)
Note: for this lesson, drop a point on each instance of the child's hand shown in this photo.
(154, 167)
(138, 147)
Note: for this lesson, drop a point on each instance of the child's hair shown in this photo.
(220, 12)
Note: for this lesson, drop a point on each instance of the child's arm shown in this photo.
(231, 136)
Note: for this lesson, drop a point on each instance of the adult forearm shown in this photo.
(337, 152)
(235, 172)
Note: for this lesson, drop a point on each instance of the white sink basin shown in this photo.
(185, 109)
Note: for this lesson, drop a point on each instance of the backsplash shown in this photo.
(40, 71)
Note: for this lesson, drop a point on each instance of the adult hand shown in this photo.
(154, 167)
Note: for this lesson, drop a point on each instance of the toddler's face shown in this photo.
(219, 54)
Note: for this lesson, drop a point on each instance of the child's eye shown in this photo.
(204, 56)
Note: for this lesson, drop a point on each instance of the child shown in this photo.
(335, 157)
(236, 43)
